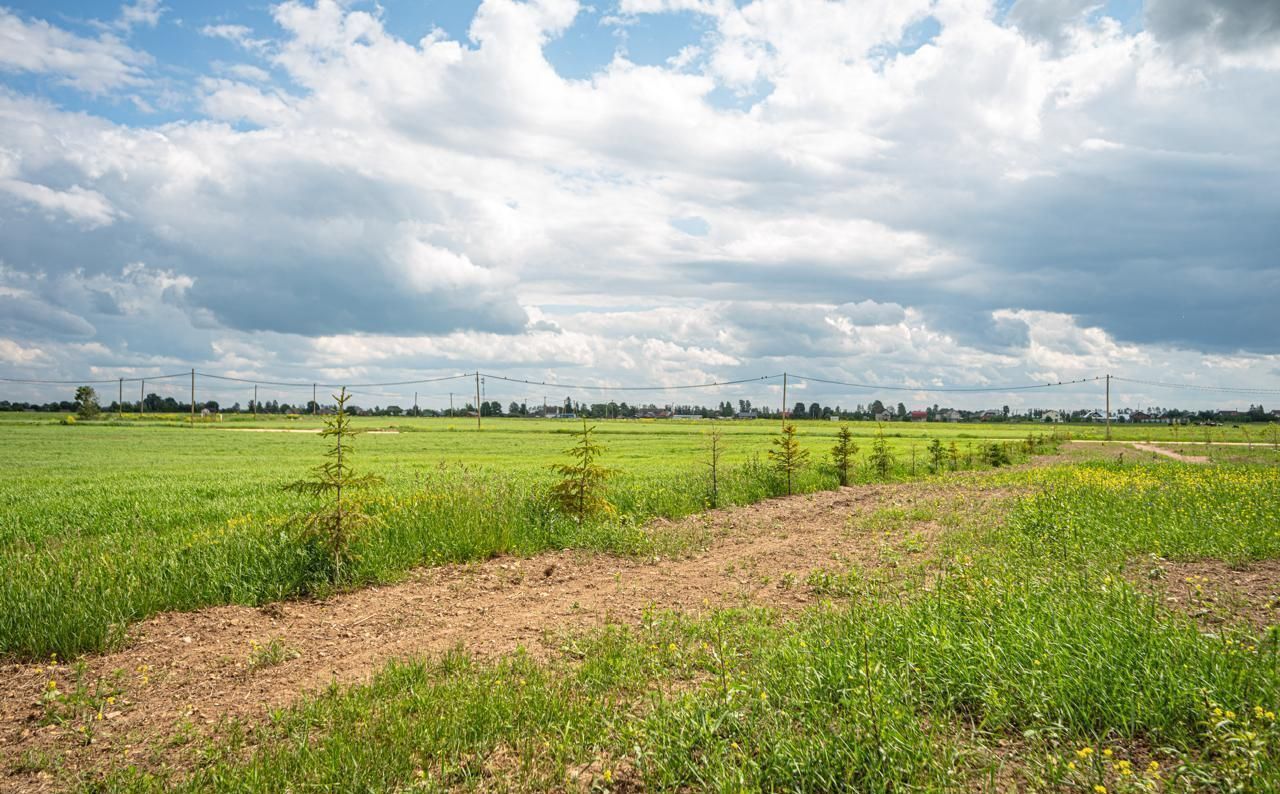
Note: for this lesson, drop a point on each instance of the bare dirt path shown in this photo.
(186, 672)
(1168, 453)
(1169, 441)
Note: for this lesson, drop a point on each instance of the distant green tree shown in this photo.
(788, 457)
(87, 403)
(844, 453)
(815, 411)
(902, 411)
(799, 412)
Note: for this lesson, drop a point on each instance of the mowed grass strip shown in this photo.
(1020, 665)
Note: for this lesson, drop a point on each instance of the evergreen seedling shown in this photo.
(581, 489)
(843, 454)
(332, 526)
(881, 458)
(787, 456)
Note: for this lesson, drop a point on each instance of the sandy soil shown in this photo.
(187, 672)
(1215, 593)
(1168, 453)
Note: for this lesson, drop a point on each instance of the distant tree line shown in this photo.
(86, 405)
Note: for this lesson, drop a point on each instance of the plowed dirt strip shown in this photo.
(190, 671)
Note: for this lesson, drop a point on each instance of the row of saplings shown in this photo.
(580, 490)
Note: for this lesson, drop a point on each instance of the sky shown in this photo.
(919, 193)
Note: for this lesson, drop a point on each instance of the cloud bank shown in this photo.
(925, 192)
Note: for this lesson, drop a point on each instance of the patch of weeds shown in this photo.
(840, 585)
(82, 703)
(270, 654)
(888, 519)
(33, 762)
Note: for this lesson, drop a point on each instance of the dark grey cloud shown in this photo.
(1232, 25)
(1048, 20)
(27, 317)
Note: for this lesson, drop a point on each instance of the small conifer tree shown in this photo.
(935, 455)
(788, 458)
(332, 526)
(881, 459)
(996, 455)
(580, 492)
(843, 454)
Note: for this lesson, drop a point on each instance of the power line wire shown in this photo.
(646, 388)
(334, 385)
(949, 389)
(1198, 387)
(632, 388)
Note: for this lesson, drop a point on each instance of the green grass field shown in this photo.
(1031, 656)
(154, 517)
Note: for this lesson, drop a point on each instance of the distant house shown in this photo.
(1051, 416)
(1141, 416)
(1094, 416)
(919, 416)
(952, 416)
(746, 415)
(988, 415)
(653, 413)
(884, 416)
(686, 416)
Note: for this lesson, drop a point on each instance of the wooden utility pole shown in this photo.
(415, 403)
(1108, 406)
(193, 398)
(451, 404)
(477, 399)
(315, 407)
(255, 401)
(784, 399)
(120, 399)
(142, 396)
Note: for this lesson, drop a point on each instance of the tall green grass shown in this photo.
(1114, 511)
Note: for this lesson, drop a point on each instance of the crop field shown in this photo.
(1090, 618)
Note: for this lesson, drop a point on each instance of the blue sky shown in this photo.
(929, 192)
